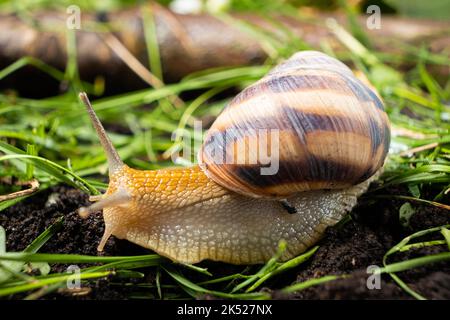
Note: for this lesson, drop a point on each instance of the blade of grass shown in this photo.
(42, 239)
(309, 283)
(419, 245)
(25, 61)
(446, 233)
(412, 263)
(266, 269)
(415, 262)
(293, 263)
(151, 41)
(47, 166)
(76, 258)
(196, 289)
(196, 269)
(50, 281)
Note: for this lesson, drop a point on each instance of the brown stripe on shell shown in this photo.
(387, 138)
(365, 144)
(379, 155)
(374, 126)
(349, 148)
(302, 124)
(311, 101)
(333, 129)
(303, 169)
(315, 159)
(331, 81)
(281, 84)
(288, 118)
(363, 92)
(386, 128)
(248, 177)
(376, 134)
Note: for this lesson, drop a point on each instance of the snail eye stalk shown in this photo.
(114, 161)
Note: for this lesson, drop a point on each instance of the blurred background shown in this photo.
(180, 37)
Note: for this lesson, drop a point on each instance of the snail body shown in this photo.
(331, 139)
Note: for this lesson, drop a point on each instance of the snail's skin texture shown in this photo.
(332, 138)
(185, 216)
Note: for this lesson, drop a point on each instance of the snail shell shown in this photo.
(324, 128)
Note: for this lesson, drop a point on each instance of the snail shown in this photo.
(331, 135)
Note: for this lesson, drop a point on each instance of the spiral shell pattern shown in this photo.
(309, 124)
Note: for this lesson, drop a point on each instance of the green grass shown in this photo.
(52, 141)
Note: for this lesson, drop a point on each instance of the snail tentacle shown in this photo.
(119, 198)
(114, 161)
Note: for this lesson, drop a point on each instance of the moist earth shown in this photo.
(346, 249)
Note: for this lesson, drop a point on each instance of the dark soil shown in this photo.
(347, 249)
